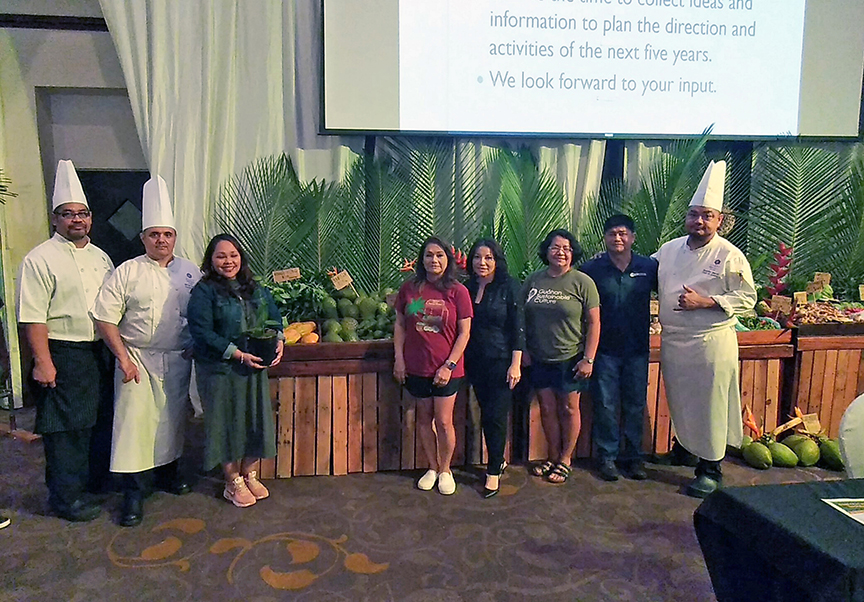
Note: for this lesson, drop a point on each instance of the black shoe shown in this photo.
(487, 493)
(133, 509)
(607, 470)
(702, 486)
(177, 487)
(635, 471)
(5, 521)
(678, 456)
(78, 511)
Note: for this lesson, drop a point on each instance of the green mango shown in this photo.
(383, 309)
(757, 455)
(830, 452)
(347, 309)
(332, 337)
(368, 307)
(350, 336)
(807, 452)
(329, 308)
(782, 455)
(332, 325)
(348, 325)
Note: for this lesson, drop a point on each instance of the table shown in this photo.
(782, 543)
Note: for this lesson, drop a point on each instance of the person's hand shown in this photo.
(442, 376)
(690, 299)
(252, 361)
(514, 375)
(187, 353)
(130, 371)
(583, 370)
(399, 370)
(280, 348)
(45, 374)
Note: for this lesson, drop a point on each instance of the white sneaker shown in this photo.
(427, 481)
(446, 484)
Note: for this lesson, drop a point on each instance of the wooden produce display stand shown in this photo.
(829, 372)
(339, 411)
(762, 355)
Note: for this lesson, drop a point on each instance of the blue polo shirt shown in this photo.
(625, 310)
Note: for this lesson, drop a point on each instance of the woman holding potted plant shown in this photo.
(433, 323)
(227, 308)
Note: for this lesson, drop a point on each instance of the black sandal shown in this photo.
(542, 470)
(562, 471)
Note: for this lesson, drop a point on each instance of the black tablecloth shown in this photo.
(782, 542)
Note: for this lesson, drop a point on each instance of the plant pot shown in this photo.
(263, 345)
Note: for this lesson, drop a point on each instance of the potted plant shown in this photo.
(261, 340)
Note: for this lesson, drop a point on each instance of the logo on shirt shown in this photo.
(431, 314)
(546, 296)
(637, 274)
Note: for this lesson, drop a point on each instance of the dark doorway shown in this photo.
(115, 199)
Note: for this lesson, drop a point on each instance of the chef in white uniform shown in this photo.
(852, 439)
(141, 313)
(58, 282)
(703, 281)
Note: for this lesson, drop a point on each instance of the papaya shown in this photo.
(312, 337)
(830, 453)
(303, 328)
(292, 335)
(757, 456)
(738, 451)
(782, 455)
(807, 452)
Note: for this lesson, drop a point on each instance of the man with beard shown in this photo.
(141, 314)
(703, 281)
(58, 283)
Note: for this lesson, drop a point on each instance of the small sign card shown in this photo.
(861, 292)
(654, 307)
(800, 298)
(822, 277)
(811, 423)
(814, 287)
(280, 276)
(341, 280)
(781, 304)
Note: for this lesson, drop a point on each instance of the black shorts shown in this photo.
(421, 387)
(558, 376)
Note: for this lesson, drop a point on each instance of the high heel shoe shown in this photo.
(489, 492)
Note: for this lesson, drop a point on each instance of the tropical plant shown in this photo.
(528, 203)
(5, 193)
(801, 196)
(657, 201)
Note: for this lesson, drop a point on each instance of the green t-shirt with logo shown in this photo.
(555, 312)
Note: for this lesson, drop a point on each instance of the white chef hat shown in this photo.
(156, 205)
(67, 186)
(710, 191)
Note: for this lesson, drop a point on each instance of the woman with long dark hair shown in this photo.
(232, 382)
(562, 331)
(493, 358)
(433, 323)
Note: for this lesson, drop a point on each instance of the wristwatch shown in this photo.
(450, 365)
(590, 360)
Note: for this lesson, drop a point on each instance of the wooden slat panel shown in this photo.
(355, 423)
(664, 419)
(370, 422)
(536, 437)
(460, 421)
(586, 414)
(828, 383)
(772, 394)
(340, 425)
(389, 422)
(821, 343)
(267, 468)
(420, 459)
(285, 429)
(324, 426)
(304, 426)
(805, 373)
(648, 436)
(854, 373)
(335, 367)
(760, 385)
(761, 353)
(860, 380)
(839, 394)
(816, 380)
(409, 431)
(746, 379)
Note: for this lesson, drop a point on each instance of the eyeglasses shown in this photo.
(74, 214)
(560, 249)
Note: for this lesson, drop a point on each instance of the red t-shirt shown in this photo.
(430, 325)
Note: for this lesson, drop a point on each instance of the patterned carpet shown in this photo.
(367, 537)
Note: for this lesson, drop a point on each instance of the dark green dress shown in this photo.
(238, 413)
